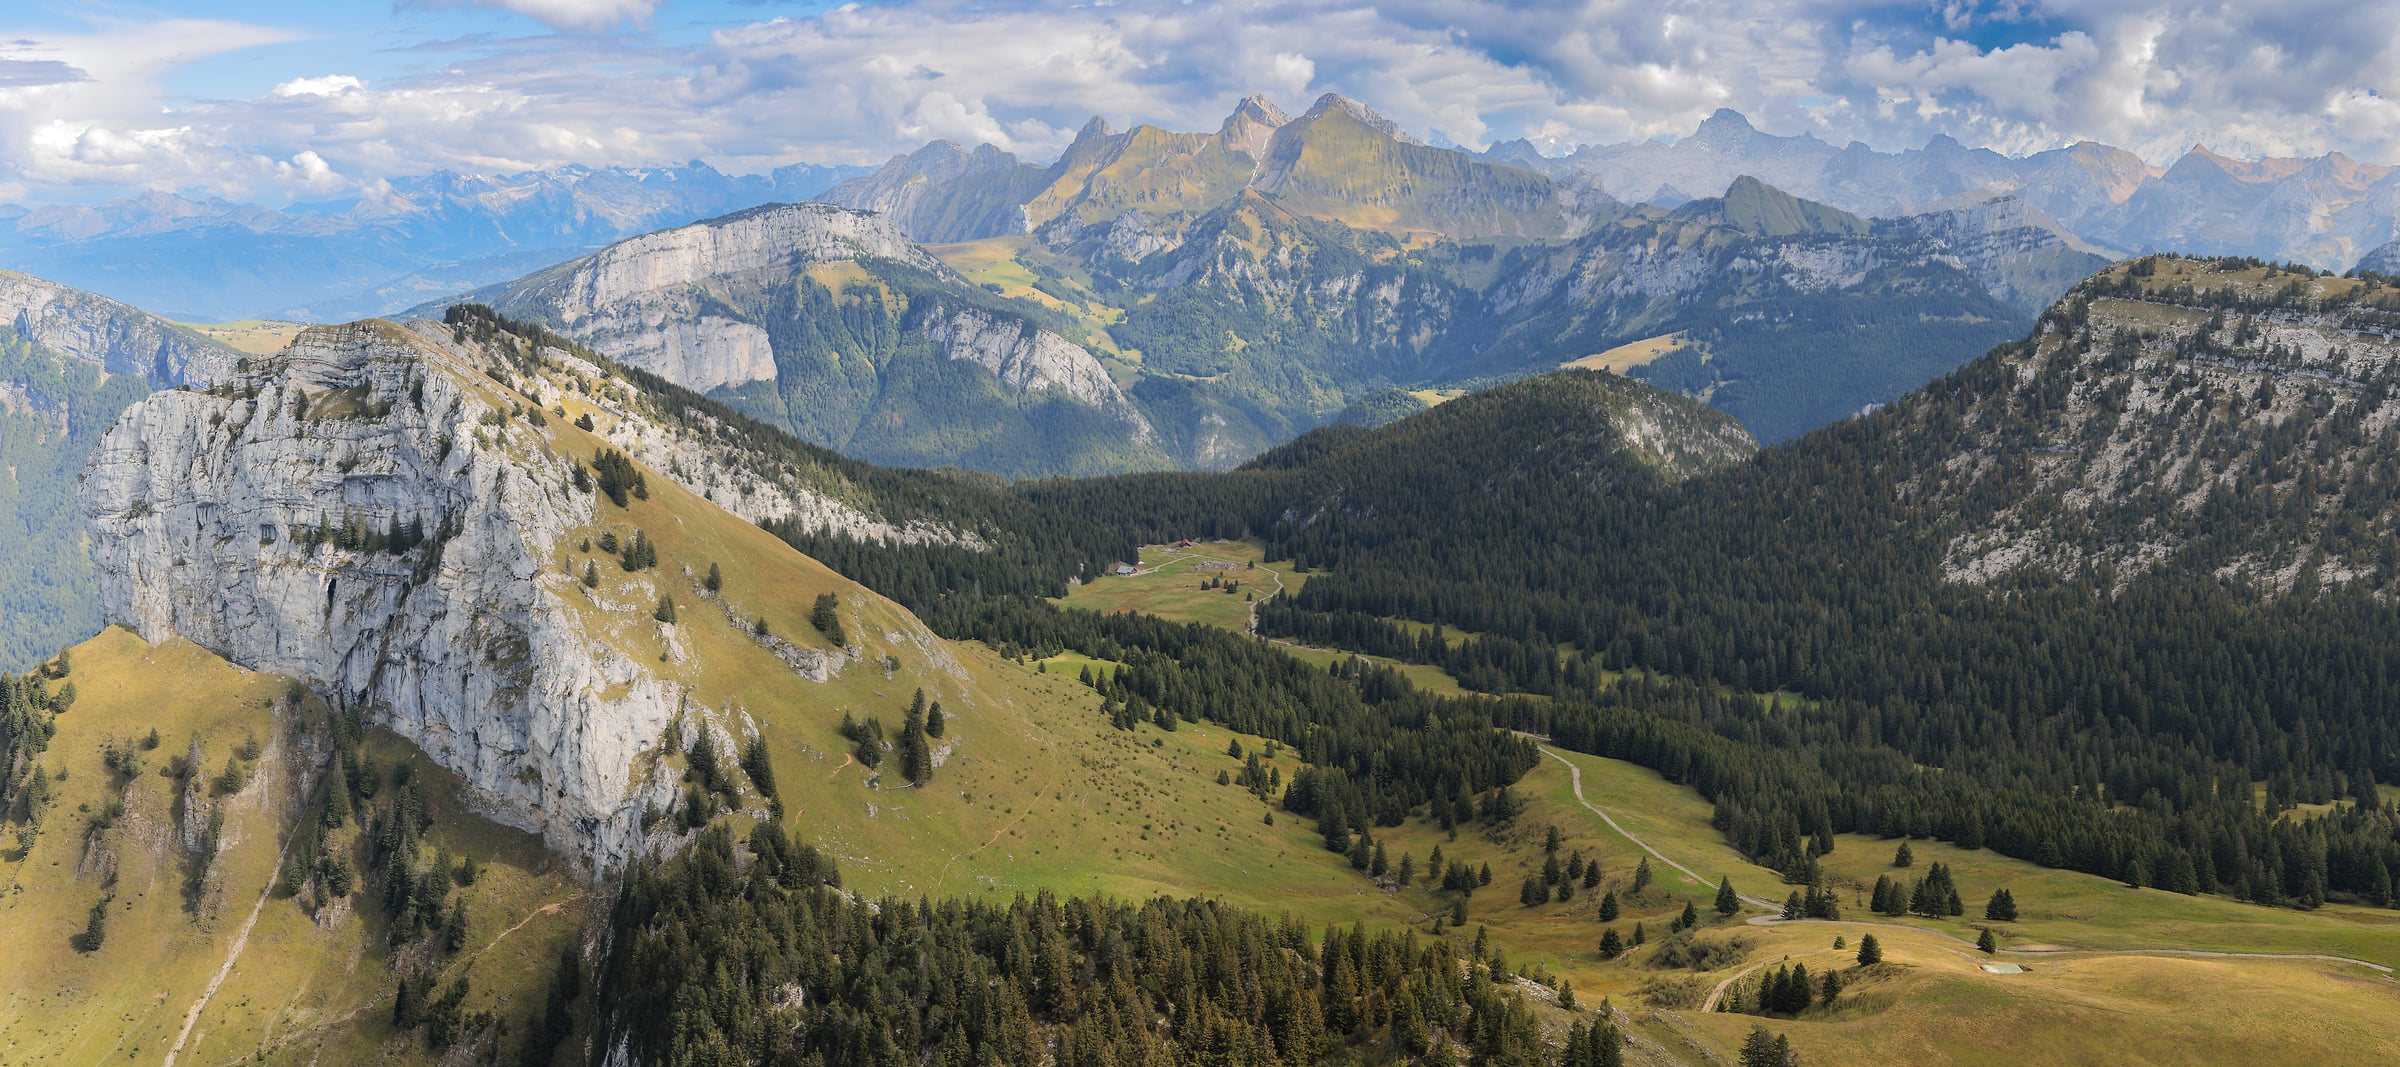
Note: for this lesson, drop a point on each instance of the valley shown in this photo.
(920, 534)
(608, 637)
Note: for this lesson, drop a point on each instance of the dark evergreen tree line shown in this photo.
(718, 964)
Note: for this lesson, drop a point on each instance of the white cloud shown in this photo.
(567, 14)
(861, 82)
(329, 85)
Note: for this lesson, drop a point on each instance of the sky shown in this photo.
(277, 100)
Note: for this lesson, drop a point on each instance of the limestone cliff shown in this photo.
(115, 337)
(389, 514)
(833, 324)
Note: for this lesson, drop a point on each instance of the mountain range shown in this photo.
(1156, 298)
(471, 695)
(2325, 211)
(218, 260)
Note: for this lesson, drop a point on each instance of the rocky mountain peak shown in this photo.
(1724, 129)
(1252, 124)
(1367, 116)
(1094, 129)
(1256, 109)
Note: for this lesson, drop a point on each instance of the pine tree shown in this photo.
(1829, 987)
(1360, 854)
(824, 616)
(591, 575)
(1611, 945)
(1761, 1049)
(1591, 875)
(936, 724)
(666, 610)
(1641, 876)
(1609, 908)
(2001, 908)
(1987, 942)
(1870, 952)
(1903, 857)
(1690, 917)
(916, 754)
(1728, 902)
(1376, 866)
(1407, 872)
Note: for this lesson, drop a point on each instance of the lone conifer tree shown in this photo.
(1902, 857)
(2002, 908)
(1728, 901)
(1870, 952)
(916, 754)
(1987, 942)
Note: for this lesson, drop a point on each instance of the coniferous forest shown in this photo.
(1783, 635)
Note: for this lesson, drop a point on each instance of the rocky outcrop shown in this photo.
(2019, 253)
(115, 337)
(363, 512)
(653, 301)
(1025, 357)
(706, 306)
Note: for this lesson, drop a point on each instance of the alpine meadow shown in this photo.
(672, 533)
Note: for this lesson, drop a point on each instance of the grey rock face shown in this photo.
(204, 506)
(115, 337)
(689, 303)
(1027, 358)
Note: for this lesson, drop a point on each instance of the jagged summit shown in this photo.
(1332, 102)
(1254, 109)
(1724, 128)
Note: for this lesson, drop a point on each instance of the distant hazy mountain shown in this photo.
(2325, 211)
(834, 325)
(1132, 191)
(425, 235)
(1155, 297)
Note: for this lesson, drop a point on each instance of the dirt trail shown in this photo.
(546, 909)
(241, 939)
(1251, 628)
(2048, 950)
(1577, 776)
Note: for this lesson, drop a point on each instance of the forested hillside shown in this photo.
(2106, 579)
(52, 411)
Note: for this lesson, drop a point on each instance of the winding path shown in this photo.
(241, 939)
(1576, 774)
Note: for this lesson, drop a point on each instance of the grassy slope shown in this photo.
(299, 992)
(1931, 1001)
(1168, 585)
(1033, 790)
